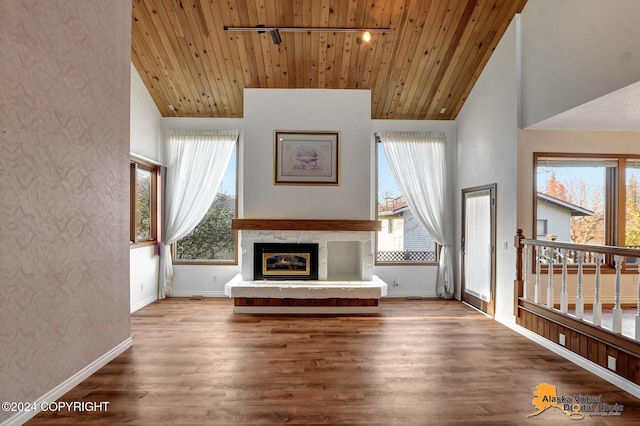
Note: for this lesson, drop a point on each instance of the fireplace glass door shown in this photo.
(285, 261)
(286, 264)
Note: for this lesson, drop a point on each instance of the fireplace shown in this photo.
(285, 261)
(342, 255)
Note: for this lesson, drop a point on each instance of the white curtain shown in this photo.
(477, 250)
(418, 163)
(196, 162)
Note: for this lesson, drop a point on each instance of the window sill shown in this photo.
(142, 244)
(182, 262)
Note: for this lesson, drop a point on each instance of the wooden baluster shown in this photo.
(617, 309)
(597, 304)
(564, 297)
(638, 308)
(550, 280)
(525, 269)
(536, 295)
(579, 298)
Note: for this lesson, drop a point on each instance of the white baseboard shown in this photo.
(596, 369)
(141, 304)
(306, 310)
(425, 295)
(197, 293)
(422, 294)
(69, 384)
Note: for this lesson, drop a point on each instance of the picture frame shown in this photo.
(306, 158)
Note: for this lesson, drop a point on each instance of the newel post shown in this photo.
(518, 283)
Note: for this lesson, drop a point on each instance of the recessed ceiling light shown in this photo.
(171, 108)
(442, 110)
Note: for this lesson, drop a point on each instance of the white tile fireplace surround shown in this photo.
(346, 255)
(345, 284)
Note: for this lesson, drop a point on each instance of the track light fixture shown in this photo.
(275, 36)
(275, 31)
(364, 38)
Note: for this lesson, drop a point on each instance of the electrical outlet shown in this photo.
(562, 339)
(396, 283)
(611, 363)
(215, 278)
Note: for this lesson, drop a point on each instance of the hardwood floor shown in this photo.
(416, 363)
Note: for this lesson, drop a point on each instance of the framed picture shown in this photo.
(306, 158)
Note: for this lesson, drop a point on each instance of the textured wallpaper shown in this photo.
(64, 188)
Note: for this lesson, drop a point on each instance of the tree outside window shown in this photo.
(143, 204)
(213, 240)
(143, 221)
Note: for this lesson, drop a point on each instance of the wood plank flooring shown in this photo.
(416, 363)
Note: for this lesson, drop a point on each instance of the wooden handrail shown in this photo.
(612, 250)
(556, 252)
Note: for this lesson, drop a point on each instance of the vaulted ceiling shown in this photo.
(423, 69)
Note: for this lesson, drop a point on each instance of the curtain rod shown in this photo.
(145, 159)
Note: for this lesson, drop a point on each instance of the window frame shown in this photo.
(615, 201)
(225, 262)
(436, 246)
(134, 165)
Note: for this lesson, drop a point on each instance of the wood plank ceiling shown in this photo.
(427, 64)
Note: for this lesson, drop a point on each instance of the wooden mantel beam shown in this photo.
(305, 225)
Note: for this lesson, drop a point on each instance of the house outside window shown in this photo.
(402, 239)
(579, 197)
(213, 241)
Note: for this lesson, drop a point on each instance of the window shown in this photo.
(541, 227)
(213, 240)
(632, 204)
(588, 199)
(402, 238)
(144, 204)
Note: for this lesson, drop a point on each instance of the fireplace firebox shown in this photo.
(285, 261)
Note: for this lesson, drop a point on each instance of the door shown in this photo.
(479, 247)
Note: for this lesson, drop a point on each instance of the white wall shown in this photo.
(347, 111)
(146, 138)
(574, 51)
(487, 153)
(146, 135)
